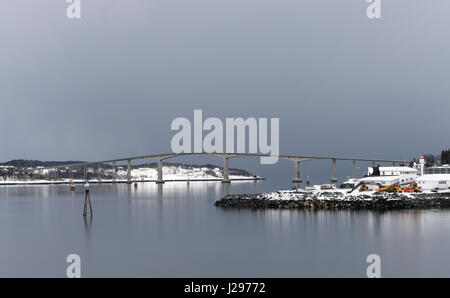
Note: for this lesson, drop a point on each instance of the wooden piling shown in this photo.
(87, 200)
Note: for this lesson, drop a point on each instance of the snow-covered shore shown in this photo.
(181, 173)
(336, 199)
(170, 173)
(343, 194)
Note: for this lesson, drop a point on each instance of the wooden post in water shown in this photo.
(87, 199)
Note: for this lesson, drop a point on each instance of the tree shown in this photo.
(445, 156)
(430, 160)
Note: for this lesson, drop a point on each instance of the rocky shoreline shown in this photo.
(333, 201)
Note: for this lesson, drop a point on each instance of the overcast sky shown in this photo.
(110, 84)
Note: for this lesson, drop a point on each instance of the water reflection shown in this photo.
(226, 189)
(129, 190)
(160, 190)
(175, 230)
(87, 225)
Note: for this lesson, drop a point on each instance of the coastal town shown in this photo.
(397, 179)
(416, 186)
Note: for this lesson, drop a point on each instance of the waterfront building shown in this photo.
(386, 176)
(434, 181)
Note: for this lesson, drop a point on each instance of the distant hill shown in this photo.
(37, 163)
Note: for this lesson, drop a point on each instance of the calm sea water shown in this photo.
(174, 230)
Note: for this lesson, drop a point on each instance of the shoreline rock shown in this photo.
(362, 202)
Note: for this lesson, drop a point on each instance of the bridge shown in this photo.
(296, 159)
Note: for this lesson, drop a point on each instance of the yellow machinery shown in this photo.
(412, 188)
(395, 188)
(364, 187)
(391, 188)
(384, 188)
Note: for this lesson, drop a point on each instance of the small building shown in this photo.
(434, 181)
(387, 176)
(380, 180)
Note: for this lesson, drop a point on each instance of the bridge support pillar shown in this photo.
(297, 179)
(114, 171)
(129, 172)
(226, 171)
(226, 189)
(354, 169)
(160, 179)
(333, 172)
(72, 186)
(98, 174)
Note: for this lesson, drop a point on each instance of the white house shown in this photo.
(391, 175)
(380, 180)
(434, 181)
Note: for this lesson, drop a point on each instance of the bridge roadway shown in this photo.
(296, 159)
